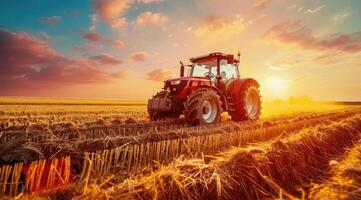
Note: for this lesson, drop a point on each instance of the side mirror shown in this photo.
(230, 59)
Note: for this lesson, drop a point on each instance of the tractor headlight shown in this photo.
(176, 82)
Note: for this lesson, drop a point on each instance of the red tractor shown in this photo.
(211, 86)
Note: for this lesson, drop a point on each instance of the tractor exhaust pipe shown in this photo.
(181, 69)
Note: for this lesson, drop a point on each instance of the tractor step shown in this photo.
(231, 104)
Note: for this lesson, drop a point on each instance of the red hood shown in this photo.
(194, 78)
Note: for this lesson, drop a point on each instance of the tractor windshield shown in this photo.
(204, 68)
(228, 71)
(208, 67)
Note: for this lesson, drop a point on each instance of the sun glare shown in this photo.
(276, 84)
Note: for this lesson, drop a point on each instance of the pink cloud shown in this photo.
(329, 58)
(159, 75)
(120, 75)
(149, 1)
(118, 23)
(354, 48)
(215, 28)
(106, 59)
(111, 11)
(213, 22)
(118, 44)
(294, 32)
(260, 4)
(29, 61)
(115, 43)
(139, 56)
(96, 37)
(150, 19)
(93, 36)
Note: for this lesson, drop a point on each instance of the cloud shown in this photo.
(139, 56)
(50, 20)
(314, 10)
(150, 19)
(112, 11)
(216, 28)
(27, 60)
(118, 23)
(159, 75)
(118, 44)
(149, 1)
(329, 58)
(354, 48)
(114, 43)
(260, 4)
(98, 38)
(340, 17)
(283, 65)
(106, 59)
(93, 36)
(293, 32)
(120, 75)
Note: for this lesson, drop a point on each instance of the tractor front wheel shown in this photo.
(248, 104)
(203, 107)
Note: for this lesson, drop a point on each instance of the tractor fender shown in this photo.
(238, 84)
(250, 81)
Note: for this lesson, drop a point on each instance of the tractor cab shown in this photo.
(221, 69)
(210, 85)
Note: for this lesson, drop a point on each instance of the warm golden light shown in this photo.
(276, 84)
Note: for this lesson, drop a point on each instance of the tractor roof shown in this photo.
(209, 56)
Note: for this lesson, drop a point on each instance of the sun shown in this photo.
(276, 84)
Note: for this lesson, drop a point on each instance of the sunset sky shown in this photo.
(124, 49)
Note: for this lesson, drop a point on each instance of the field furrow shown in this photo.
(131, 157)
(84, 150)
(268, 170)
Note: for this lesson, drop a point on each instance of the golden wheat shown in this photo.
(278, 169)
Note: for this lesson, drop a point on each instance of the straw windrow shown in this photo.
(281, 167)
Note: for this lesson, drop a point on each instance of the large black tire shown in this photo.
(203, 107)
(247, 104)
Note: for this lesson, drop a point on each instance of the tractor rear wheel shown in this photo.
(248, 104)
(203, 107)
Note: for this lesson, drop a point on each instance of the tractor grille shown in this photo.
(175, 89)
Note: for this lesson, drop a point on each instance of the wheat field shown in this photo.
(88, 149)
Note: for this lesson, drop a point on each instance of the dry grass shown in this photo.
(104, 149)
(281, 167)
(345, 182)
(136, 154)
